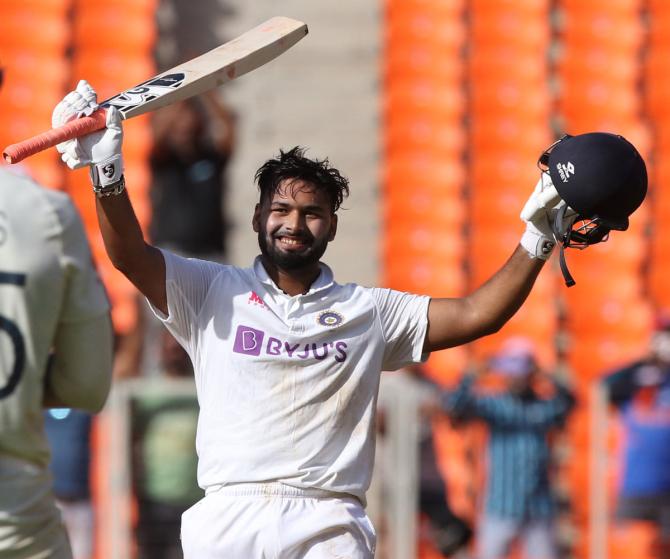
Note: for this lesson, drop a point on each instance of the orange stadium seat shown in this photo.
(26, 64)
(528, 8)
(414, 241)
(418, 100)
(423, 276)
(139, 33)
(52, 7)
(596, 354)
(614, 6)
(445, 9)
(500, 207)
(409, 62)
(504, 170)
(109, 71)
(424, 208)
(514, 134)
(491, 28)
(46, 169)
(659, 26)
(444, 139)
(402, 189)
(597, 63)
(50, 34)
(133, 8)
(612, 312)
(659, 279)
(22, 124)
(622, 103)
(491, 65)
(603, 28)
(504, 96)
(409, 27)
(417, 168)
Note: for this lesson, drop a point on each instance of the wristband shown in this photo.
(536, 243)
(113, 189)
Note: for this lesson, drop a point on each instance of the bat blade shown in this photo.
(231, 60)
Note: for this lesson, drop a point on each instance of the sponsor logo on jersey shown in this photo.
(565, 170)
(330, 318)
(250, 341)
(254, 299)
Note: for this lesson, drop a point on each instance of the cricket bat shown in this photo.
(235, 58)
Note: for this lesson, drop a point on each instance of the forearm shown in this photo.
(502, 295)
(454, 322)
(124, 242)
(121, 232)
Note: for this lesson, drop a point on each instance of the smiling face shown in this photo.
(295, 226)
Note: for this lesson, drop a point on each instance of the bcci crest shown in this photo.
(330, 319)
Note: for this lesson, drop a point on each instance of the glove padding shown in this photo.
(101, 151)
(539, 213)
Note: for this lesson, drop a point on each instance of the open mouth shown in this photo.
(292, 243)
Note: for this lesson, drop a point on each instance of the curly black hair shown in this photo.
(293, 164)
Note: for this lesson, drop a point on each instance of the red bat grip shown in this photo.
(73, 129)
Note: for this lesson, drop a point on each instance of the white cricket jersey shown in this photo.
(47, 281)
(287, 385)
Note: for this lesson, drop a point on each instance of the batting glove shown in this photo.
(100, 151)
(537, 213)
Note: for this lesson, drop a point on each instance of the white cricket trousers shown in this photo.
(276, 521)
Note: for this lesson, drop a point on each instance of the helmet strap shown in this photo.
(563, 239)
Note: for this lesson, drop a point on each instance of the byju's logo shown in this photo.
(248, 340)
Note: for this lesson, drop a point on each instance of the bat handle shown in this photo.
(70, 130)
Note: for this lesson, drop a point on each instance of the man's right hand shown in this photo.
(101, 151)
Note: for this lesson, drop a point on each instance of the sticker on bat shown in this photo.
(140, 94)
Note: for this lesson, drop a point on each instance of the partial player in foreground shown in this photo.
(287, 361)
(55, 351)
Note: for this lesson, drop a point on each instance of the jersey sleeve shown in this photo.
(80, 376)
(187, 284)
(403, 319)
(85, 296)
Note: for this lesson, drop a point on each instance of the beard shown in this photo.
(291, 260)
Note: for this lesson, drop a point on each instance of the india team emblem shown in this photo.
(330, 318)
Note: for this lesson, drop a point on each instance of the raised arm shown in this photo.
(140, 262)
(453, 322)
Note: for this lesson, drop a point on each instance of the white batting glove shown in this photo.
(101, 151)
(541, 207)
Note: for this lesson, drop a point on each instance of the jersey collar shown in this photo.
(324, 280)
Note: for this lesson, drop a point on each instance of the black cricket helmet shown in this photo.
(602, 178)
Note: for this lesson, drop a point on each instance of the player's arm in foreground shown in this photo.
(140, 262)
(452, 322)
(80, 369)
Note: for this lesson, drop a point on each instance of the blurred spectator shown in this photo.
(519, 502)
(165, 461)
(448, 532)
(69, 434)
(193, 142)
(641, 393)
